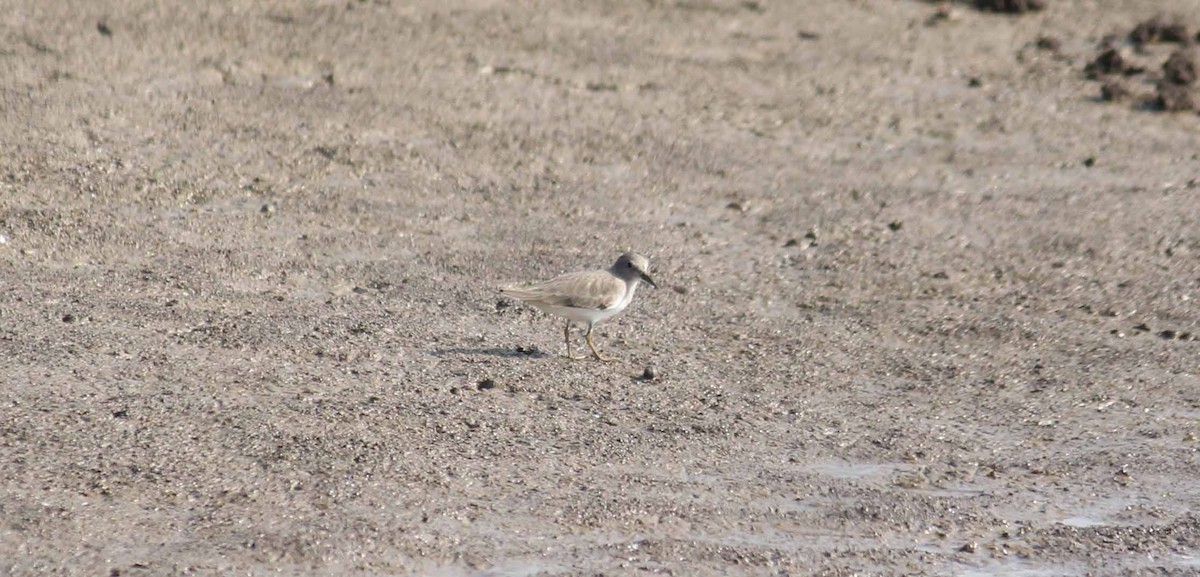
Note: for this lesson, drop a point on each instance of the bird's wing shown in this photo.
(596, 290)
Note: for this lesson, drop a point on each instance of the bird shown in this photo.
(587, 297)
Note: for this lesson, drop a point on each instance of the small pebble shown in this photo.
(1113, 91)
(969, 547)
(649, 374)
(1049, 44)
(486, 384)
(68, 318)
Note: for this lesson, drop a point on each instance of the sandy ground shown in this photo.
(927, 304)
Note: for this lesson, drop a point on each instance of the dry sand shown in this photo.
(916, 284)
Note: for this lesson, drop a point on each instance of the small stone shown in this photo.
(1010, 6)
(680, 289)
(1049, 43)
(486, 384)
(969, 547)
(1089, 161)
(975, 82)
(68, 318)
(267, 208)
(359, 290)
(790, 243)
(1174, 98)
(1159, 29)
(736, 206)
(1142, 327)
(1110, 61)
(1113, 90)
(103, 29)
(895, 225)
(649, 374)
(1167, 334)
(1180, 67)
(811, 235)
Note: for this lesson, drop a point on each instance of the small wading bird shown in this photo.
(587, 297)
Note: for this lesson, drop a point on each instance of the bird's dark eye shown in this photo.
(629, 265)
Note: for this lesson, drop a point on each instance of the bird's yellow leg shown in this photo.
(588, 337)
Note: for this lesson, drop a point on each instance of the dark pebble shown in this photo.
(895, 225)
(1049, 44)
(103, 29)
(1113, 90)
(1141, 327)
(975, 82)
(1089, 161)
(648, 374)
(969, 547)
(1180, 67)
(1159, 29)
(1010, 6)
(1110, 61)
(68, 318)
(1167, 334)
(790, 243)
(1174, 98)
(486, 384)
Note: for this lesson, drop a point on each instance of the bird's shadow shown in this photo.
(517, 353)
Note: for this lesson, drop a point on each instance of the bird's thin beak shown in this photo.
(649, 280)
